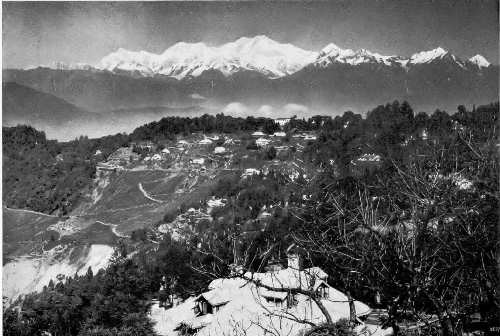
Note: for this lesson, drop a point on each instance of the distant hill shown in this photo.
(100, 90)
(324, 89)
(22, 104)
(260, 72)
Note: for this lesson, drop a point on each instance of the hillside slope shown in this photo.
(22, 104)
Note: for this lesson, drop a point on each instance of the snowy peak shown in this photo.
(330, 49)
(258, 53)
(334, 54)
(480, 61)
(428, 56)
(126, 60)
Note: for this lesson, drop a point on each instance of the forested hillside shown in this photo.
(45, 175)
(397, 205)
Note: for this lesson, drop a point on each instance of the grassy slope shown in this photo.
(23, 230)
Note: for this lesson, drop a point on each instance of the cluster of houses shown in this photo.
(263, 140)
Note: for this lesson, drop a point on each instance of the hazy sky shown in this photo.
(39, 33)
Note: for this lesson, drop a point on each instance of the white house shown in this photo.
(424, 135)
(250, 172)
(258, 134)
(370, 157)
(205, 141)
(156, 157)
(262, 142)
(282, 121)
(310, 137)
(219, 150)
(198, 161)
(255, 302)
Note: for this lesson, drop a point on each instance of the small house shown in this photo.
(262, 142)
(207, 303)
(219, 150)
(282, 121)
(199, 161)
(250, 172)
(205, 141)
(258, 134)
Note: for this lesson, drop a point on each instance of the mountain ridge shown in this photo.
(259, 53)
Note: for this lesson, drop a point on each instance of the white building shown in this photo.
(370, 158)
(258, 134)
(282, 121)
(262, 142)
(252, 303)
(199, 161)
(250, 172)
(310, 137)
(219, 150)
(205, 141)
(156, 157)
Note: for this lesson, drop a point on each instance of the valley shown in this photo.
(130, 192)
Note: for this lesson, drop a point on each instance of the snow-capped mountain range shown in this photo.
(182, 60)
(260, 54)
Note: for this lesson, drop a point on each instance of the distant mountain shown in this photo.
(429, 80)
(100, 90)
(259, 71)
(257, 54)
(260, 54)
(22, 104)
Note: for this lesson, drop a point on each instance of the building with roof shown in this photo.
(262, 142)
(219, 150)
(205, 141)
(282, 121)
(256, 302)
(258, 134)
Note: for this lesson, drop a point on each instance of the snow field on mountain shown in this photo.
(260, 54)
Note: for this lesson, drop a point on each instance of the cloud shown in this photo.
(236, 109)
(197, 96)
(265, 111)
(292, 109)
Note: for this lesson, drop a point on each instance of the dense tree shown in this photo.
(420, 230)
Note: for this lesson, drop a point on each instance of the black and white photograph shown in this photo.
(250, 168)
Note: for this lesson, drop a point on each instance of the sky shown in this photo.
(44, 32)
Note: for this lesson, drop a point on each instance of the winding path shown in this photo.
(113, 229)
(31, 211)
(145, 193)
